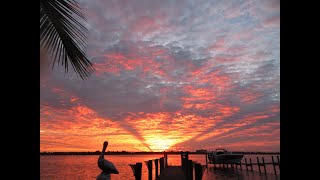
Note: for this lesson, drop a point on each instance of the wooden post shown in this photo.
(186, 168)
(156, 167)
(264, 166)
(246, 163)
(165, 159)
(278, 161)
(274, 166)
(207, 160)
(166, 165)
(251, 164)
(240, 166)
(187, 155)
(150, 170)
(258, 164)
(185, 164)
(186, 161)
(138, 171)
(198, 171)
(190, 170)
(161, 164)
(182, 159)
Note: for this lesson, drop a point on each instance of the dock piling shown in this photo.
(190, 170)
(198, 171)
(274, 166)
(156, 167)
(184, 161)
(165, 159)
(258, 164)
(149, 170)
(264, 165)
(278, 161)
(207, 160)
(161, 164)
(138, 171)
(246, 163)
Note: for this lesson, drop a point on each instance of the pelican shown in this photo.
(106, 166)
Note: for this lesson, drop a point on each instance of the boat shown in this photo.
(223, 156)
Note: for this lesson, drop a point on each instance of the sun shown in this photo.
(158, 144)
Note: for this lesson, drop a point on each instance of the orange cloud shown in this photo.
(81, 129)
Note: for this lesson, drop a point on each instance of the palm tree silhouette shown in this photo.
(63, 36)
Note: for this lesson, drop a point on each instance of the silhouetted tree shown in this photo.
(63, 36)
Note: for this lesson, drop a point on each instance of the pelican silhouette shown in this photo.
(106, 166)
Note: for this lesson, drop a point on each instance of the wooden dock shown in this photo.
(172, 173)
(246, 164)
(184, 172)
(191, 170)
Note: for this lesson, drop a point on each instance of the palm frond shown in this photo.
(63, 36)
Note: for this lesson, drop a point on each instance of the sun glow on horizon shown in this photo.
(160, 144)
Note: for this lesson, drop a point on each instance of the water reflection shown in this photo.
(213, 173)
(85, 167)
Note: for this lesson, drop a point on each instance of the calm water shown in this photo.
(85, 167)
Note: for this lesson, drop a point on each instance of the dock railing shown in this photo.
(260, 163)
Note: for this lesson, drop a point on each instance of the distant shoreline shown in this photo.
(141, 153)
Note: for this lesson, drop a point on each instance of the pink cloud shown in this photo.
(219, 46)
(272, 22)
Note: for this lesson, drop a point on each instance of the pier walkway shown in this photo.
(188, 170)
(172, 173)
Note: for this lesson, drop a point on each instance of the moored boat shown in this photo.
(223, 156)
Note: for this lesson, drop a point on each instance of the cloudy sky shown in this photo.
(170, 74)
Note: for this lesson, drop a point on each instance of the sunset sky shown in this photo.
(170, 75)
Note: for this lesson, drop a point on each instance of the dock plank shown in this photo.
(172, 173)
